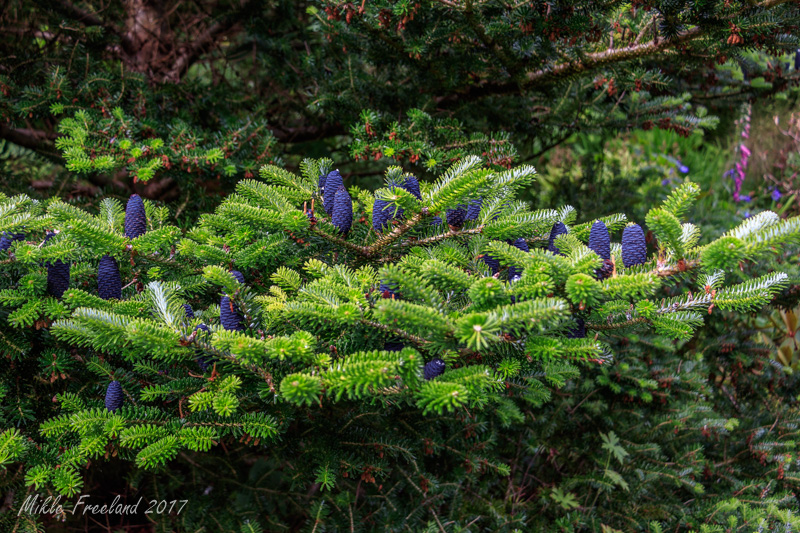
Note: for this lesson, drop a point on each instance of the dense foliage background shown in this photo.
(617, 105)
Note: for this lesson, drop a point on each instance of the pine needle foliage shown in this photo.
(324, 380)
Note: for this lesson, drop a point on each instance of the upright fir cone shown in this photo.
(381, 215)
(342, 216)
(522, 244)
(579, 331)
(238, 275)
(797, 59)
(491, 262)
(229, 315)
(135, 217)
(436, 221)
(634, 247)
(8, 238)
(203, 360)
(322, 183)
(114, 396)
(558, 229)
(599, 240)
(396, 213)
(411, 184)
(57, 273)
(474, 209)
(188, 310)
(332, 183)
(434, 368)
(456, 217)
(57, 278)
(109, 281)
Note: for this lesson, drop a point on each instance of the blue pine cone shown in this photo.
(342, 216)
(332, 183)
(57, 278)
(135, 217)
(456, 217)
(381, 215)
(383, 212)
(203, 361)
(491, 262)
(188, 310)
(634, 247)
(558, 229)
(599, 240)
(7, 238)
(322, 182)
(114, 396)
(109, 282)
(229, 315)
(412, 185)
(434, 368)
(436, 221)
(579, 331)
(474, 209)
(238, 275)
(522, 244)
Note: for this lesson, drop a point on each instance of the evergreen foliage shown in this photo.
(395, 380)
(158, 98)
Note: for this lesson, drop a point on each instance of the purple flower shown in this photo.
(747, 214)
(730, 173)
(776, 195)
(665, 182)
(745, 198)
(684, 169)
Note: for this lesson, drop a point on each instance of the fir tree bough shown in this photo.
(369, 351)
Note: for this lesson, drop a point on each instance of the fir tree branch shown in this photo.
(618, 325)
(398, 232)
(675, 270)
(443, 236)
(590, 61)
(399, 332)
(340, 241)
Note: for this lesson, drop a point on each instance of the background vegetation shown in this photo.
(617, 105)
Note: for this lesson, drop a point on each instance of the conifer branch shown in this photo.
(588, 62)
(618, 325)
(442, 236)
(677, 269)
(398, 232)
(419, 341)
(363, 250)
